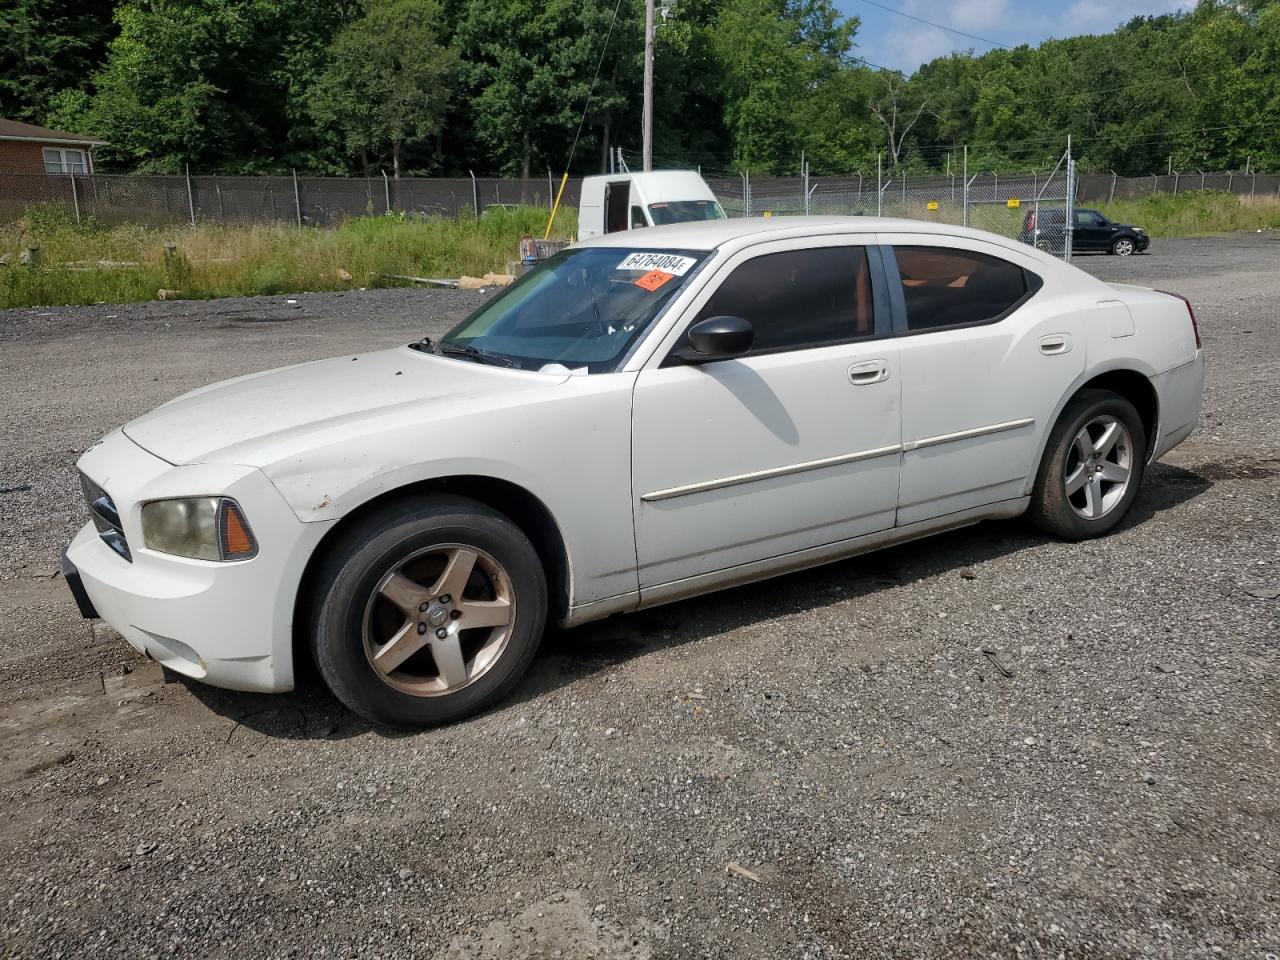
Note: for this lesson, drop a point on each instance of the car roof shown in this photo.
(709, 234)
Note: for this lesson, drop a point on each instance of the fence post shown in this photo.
(746, 193)
(191, 197)
(964, 197)
(297, 198)
(386, 189)
(1201, 179)
(1253, 184)
(1175, 183)
(1229, 176)
(551, 189)
(1111, 195)
(475, 191)
(222, 214)
(75, 197)
(1069, 214)
(804, 173)
(879, 186)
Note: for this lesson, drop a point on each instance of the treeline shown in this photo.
(440, 87)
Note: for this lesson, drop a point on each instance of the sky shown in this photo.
(889, 40)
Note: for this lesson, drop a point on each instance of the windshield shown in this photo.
(583, 308)
(684, 211)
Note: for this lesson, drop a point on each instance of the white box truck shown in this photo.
(627, 201)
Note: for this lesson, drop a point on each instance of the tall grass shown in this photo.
(1196, 213)
(85, 263)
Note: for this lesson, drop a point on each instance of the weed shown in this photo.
(88, 263)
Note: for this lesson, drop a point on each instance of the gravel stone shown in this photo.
(1016, 780)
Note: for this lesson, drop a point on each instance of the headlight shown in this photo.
(203, 528)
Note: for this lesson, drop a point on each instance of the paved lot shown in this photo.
(985, 744)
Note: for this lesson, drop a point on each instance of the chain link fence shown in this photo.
(113, 199)
(1032, 207)
(1103, 188)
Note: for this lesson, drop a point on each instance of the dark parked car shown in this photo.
(1090, 231)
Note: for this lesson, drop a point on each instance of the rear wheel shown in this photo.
(1123, 247)
(428, 612)
(1092, 467)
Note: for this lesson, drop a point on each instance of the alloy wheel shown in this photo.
(1123, 248)
(439, 620)
(1099, 467)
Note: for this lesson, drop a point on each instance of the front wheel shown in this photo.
(428, 612)
(1123, 247)
(1092, 467)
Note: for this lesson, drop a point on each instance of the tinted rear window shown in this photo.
(945, 287)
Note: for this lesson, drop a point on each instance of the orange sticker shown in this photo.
(652, 280)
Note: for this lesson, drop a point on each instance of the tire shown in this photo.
(1081, 505)
(1123, 247)
(385, 594)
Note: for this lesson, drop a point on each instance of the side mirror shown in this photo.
(718, 338)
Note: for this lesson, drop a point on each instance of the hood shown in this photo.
(242, 420)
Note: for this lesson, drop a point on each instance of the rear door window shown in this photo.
(945, 287)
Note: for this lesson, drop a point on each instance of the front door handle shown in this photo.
(870, 371)
(1055, 343)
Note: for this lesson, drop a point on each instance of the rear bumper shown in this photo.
(1179, 392)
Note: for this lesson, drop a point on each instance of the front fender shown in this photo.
(572, 453)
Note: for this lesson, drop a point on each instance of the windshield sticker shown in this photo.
(670, 263)
(652, 280)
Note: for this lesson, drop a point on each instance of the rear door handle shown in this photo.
(870, 371)
(1055, 343)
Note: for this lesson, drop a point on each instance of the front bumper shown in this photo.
(229, 624)
(72, 576)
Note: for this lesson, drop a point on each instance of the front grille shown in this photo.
(106, 518)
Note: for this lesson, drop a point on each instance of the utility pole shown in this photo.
(647, 162)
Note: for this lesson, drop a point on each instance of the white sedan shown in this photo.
(650, 415)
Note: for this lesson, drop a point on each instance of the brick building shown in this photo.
(26, 148)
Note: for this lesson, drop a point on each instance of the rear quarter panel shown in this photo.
(1162, 338)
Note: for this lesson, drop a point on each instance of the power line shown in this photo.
(959, 33)
(591, 91)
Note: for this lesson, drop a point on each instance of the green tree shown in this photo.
(778, 58)
(389, 78)
(46, 47)
(529, 67)
(213, 83)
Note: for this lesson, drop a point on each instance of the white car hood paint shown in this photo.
(254, 419)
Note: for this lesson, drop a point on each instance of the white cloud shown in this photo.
(1103, 16)
(907, 48)
(908, 44)
(974, 16)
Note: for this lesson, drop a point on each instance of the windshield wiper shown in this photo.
(474, 353)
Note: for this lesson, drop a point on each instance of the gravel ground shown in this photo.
(983, 744)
